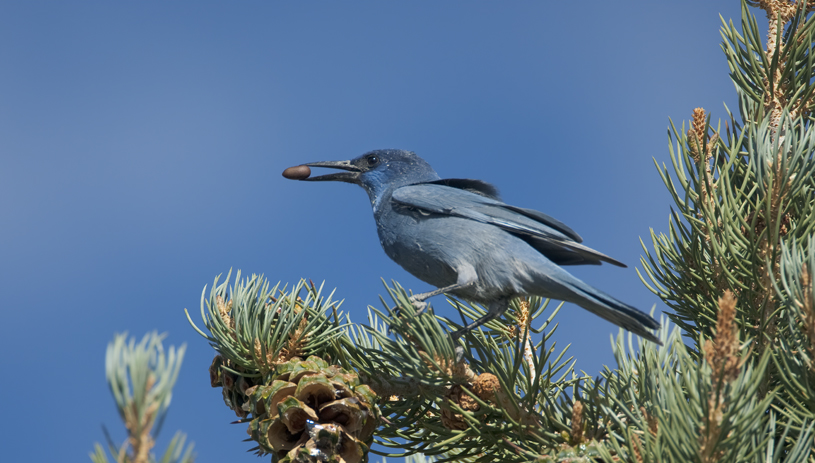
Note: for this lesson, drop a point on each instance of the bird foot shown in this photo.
(420, 306)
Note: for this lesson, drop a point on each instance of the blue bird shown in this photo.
(457, 235)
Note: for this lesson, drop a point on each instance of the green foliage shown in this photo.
(784, 73)
(276, 367)
(742, 226)
(252, 324)
(796, 351)
(141, 378)
(434, 399)
(670, 407)
(733, 211)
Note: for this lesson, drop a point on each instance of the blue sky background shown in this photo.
(142, 146)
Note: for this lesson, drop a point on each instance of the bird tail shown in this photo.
(615, 311)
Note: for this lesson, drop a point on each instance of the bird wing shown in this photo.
(550, 237)
(476, 186)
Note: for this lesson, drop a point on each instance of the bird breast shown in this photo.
(435, 249)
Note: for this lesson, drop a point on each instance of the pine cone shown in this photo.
(308, 411)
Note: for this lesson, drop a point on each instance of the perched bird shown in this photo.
(457, 235)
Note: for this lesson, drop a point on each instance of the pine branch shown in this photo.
(141, 378)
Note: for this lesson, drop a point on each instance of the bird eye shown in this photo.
(372, 160)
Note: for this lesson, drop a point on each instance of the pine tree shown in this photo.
(734, 381)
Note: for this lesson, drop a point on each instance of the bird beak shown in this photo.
(352, 176)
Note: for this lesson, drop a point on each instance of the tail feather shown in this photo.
(615, 311)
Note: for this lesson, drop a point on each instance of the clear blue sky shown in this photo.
(142, 146)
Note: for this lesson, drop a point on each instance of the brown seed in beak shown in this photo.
(297, 172)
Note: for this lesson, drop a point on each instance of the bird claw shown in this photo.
(420, 306)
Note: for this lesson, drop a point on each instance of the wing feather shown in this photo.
(548, 236)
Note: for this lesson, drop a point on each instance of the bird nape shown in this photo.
(457, 235)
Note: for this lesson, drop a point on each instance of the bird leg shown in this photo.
(418, 300)
(494, 310)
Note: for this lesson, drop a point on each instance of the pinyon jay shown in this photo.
(457, 235)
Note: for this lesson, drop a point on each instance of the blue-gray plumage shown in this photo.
(457, 235)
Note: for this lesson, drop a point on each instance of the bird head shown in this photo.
(378, 171)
